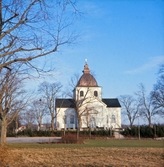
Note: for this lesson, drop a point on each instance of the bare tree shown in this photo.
(130, 108)
(30, 30)
(12, 99)
(89, 112)
(15, 124)
(33, 29)
(84, 108)
(84, 105)
(50, 92)
(147, 110)
(39, 107)
(29, 118)
(157, 94)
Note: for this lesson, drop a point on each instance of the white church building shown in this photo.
(88, 104)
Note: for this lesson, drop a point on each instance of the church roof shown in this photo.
(111, 102)
(87, 79)
(65, 103)
(69, 103)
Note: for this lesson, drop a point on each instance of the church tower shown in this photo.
(87, 85)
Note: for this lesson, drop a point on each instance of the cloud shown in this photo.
(152, 62)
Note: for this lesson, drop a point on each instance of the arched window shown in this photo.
(71, 119)
(92, 122)
(113, 119)
(95, 93)
(81, 93)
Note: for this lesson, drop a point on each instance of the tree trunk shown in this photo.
(3, 132)
(29, 125)
(78, 130)
(16, 125)
(39, 124)
(79, 126)
(52, 123)
(149, 120)
(131, 124)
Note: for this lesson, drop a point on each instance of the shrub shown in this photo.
(11, 134)
(69, 138)
(26, 132)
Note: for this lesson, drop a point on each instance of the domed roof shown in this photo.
(87, 79)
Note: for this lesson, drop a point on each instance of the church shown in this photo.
(87, 108)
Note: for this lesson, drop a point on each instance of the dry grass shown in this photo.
(81, 157)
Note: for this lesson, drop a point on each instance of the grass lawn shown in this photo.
(93, 153)
(96, 143)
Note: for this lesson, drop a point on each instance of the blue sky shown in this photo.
(123, 42)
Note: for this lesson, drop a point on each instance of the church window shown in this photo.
(113, 119)
(95, 93)
(92, 122)
(81, 93)
(71, 119)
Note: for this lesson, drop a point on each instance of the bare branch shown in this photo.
(147, 110)
(130, 107)
(49, 93)
(157, 95)
(34, 29)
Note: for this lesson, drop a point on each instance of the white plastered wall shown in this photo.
(114, 118)
(64, 122)
(103, 117)
(88, 92)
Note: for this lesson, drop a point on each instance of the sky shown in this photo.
(123, 42)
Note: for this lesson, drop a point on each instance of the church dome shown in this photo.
(87, 79)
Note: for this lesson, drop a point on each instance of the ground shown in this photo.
(81, 157)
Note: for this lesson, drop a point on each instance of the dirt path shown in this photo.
(84, 157)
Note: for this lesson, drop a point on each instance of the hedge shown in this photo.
(59, 133)
(157, 130)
